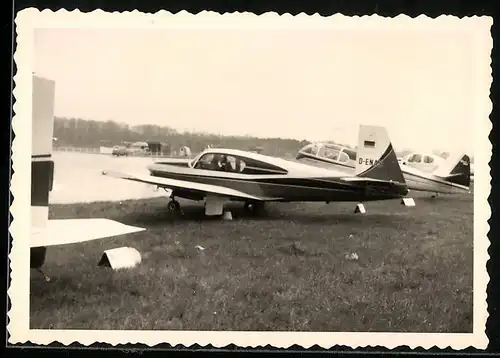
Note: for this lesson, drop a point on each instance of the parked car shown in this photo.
(120, 150)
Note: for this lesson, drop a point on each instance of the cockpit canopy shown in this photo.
(417, 158)
(425, 162)
(329, 151)
(235, 162)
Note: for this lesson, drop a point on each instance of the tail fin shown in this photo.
(456, 169)
(376, 158)
(42, 166)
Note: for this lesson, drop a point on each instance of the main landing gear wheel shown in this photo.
(174, 207)
(254, 208)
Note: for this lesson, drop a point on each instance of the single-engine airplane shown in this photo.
(45, 232)
(428, 173)
(220, 175)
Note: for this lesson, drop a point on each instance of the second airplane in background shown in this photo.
(450, 176)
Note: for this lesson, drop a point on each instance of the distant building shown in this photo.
(159, 148)
(139, 145)
(138, 148)
(154, 147)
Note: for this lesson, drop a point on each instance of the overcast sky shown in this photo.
(314, 84)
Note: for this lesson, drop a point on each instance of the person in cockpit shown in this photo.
(221, 162)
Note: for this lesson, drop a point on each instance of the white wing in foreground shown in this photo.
(71, 231)
(182, 184)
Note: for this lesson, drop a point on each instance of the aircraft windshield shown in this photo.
(194, 161)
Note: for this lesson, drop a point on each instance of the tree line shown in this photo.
(84, 133)
(77, 132)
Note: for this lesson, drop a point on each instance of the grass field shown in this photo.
(286, 270)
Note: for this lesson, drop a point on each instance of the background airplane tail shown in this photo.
(375, 157)
(456, 169)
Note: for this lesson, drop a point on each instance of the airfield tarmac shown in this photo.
(78, 178)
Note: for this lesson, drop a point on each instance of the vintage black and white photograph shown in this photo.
(238, 174)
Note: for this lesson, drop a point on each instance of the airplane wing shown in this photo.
(70, 231)
(182, 184)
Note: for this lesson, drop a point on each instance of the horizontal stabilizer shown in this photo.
(182, 184)
(71, 231)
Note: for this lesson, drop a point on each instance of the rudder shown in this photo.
(460, 173)
(375, 157)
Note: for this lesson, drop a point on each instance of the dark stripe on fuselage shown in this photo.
(296, 189)
(42, 175)
(177, 164)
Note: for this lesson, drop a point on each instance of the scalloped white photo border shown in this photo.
(30, 19)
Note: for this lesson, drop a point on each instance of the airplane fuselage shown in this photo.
(319, 186)
(429, 182)
(217, 175)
